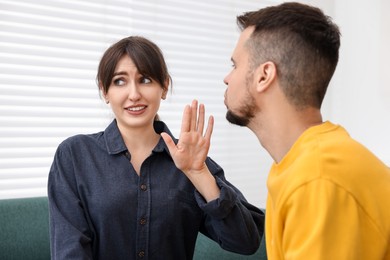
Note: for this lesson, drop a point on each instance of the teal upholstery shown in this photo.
(24, 234)
(24, 229)
(207, 249)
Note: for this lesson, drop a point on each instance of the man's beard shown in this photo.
(248, 110)
(247, 113)
(237, 120)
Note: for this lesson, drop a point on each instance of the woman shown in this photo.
(118, 194)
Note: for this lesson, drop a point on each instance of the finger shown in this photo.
(201, 118)
(186, 121)
(194, 111)
(169, 142)
(210, 127)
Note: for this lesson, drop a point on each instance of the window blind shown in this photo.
(49, 53)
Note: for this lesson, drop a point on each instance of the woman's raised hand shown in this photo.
(191, 151)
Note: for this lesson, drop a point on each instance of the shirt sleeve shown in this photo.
(230, 220)
(70, 237)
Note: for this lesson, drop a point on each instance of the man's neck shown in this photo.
(278, 133)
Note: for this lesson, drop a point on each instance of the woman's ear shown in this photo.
(104, 94)
(164, 94)
(165, 90)
(265, 75)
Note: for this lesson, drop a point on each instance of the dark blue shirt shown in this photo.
(101, 209)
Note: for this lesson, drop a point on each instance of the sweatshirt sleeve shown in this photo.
(331, 225)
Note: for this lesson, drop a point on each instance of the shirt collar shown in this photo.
(115, 144)
(159, 127)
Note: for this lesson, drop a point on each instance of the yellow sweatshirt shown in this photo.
(329, 198)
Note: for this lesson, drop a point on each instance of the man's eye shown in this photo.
(119, 82)
(145, 80)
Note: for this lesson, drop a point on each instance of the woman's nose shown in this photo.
(133, 92)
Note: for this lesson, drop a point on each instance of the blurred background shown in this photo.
(50, 49)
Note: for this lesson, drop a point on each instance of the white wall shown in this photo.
(359, 98)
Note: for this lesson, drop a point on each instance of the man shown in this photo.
(328, 196)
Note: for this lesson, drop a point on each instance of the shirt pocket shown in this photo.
(182, 196)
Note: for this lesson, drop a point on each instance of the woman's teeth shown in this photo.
(135, 108)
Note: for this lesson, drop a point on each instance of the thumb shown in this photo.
(169, 142)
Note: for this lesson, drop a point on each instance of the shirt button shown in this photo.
(142, 221)
(141, 254)
(143, 187)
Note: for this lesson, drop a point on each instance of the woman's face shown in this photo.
(134, 98)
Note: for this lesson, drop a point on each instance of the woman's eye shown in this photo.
(119, 82)
(145, 80)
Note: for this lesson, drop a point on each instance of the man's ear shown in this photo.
(265, 75)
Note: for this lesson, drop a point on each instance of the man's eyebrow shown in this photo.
(234, 62)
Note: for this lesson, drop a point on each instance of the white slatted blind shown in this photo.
(49, 52)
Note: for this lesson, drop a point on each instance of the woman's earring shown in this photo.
(106, 99)
(164, 95)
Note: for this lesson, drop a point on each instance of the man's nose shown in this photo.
(226, 79)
